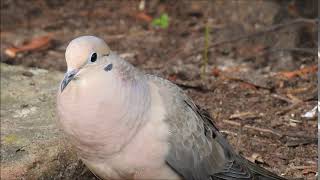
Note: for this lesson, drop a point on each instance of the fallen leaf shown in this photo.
(300, 72)
(33, 45)
(143, 16)
(256, 158)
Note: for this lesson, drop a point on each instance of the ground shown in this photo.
(256, 86)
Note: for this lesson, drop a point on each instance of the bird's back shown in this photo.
(198, 151)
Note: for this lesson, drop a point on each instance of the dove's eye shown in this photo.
(93, 58)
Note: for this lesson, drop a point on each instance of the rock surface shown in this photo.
(32, 146)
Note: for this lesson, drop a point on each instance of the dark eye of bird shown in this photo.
(93, 57)
(108, 67)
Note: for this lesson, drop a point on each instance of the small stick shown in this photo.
(253, 128)
(271, 131)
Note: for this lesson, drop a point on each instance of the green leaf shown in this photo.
(162, 21)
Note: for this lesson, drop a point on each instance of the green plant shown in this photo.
(205, 52)
(162, 21)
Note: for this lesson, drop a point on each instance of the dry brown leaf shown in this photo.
(33, 45)
(301, 72)
(143, 16)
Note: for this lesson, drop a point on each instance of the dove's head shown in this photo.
(85, 49)
(80, 52)
(90, 62)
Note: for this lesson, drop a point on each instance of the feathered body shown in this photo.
(129, 125)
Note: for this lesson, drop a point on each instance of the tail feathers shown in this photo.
(261, 173)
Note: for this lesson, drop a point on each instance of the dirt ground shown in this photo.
(257, 86)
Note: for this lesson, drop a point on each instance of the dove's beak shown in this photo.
(69, 75)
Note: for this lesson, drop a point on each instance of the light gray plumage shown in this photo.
(129, 125)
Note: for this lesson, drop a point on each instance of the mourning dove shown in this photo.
(126, 124)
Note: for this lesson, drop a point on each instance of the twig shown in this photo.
(288, 109)
(198, 87)
(303, 167)
(282, 98)
(245, 115)
(254, 128)
(249, 83)
(271, 131)
(229, 132)
(290, 99)
(295, 143)
(297, 135)
(294, 101)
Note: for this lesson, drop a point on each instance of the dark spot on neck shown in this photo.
(108, 67)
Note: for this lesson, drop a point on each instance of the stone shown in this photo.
(32, 145)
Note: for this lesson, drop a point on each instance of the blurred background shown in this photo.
(251, 64)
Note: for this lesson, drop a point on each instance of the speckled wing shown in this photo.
(198, 151)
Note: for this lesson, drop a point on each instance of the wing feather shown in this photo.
(198, 151)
